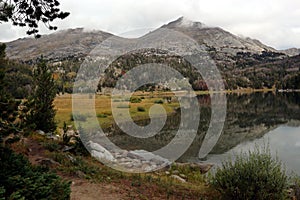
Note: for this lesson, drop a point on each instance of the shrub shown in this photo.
(255, 175)
(80, 148)
(135, 100)
(79, 117)
(71, 117)
(2, 193)
(51, 146)
(296, 187)
(159, 101)
(123, 106)
(141, 109)
(116, 100)
(20, 180)
(101, 115)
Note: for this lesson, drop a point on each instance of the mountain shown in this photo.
(57, 46)
(224, 47)
(243, 62)
(291, 51)
(215, 37)
(78, 42)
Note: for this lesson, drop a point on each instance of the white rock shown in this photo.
(97, 147)
(100, 152)
(103, 156)
(40, 132)
(178, 178)
(149, 156)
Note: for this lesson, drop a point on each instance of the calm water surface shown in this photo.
(252, 119)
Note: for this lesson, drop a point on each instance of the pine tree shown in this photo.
(40, 103)
(8, 106)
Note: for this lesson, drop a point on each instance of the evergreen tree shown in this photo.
(40, 103)
(8, 106)
(30, 13)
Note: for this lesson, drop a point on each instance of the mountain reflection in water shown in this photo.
(256, 118)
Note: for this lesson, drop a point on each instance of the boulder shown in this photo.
(101, 156)
(100, 153)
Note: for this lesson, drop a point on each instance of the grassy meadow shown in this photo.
(138, 110)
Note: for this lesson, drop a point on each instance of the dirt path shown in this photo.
(84, 190)
(81, 189)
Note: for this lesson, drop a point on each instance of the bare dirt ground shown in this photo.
(81, 189)
(84, 190)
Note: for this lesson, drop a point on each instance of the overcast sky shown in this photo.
(274, 22)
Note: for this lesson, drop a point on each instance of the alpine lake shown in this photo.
(253, 120)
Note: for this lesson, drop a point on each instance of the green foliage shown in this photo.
(141, 109)
(255, 175)
(2, 193)
(123, 106)
(78, 117)
(19, 77)
(101, 115)
(117, 100)
(20, 180)
(51, 146)
(159, 101)
(8, 106)
(290, 82)
(80, 148)
(65, 128)
(71, 117)
(296, 187)
(40, 106)
(135, 100)
(66, 139)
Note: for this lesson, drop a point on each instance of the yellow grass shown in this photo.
(63, 106)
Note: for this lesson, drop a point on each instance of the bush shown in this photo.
(255, 175)
(79, 117)
(116, 100)
(296, 187)
(123, 106)
(101, 115)
(51, 146)
(159, 101)
(20, 180)
(141, 109)
(135, 100)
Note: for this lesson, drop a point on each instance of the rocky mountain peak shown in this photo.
(78, 42)
(183, 22)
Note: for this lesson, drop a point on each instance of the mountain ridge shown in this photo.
(242, 62)
(56, 46)
(78, 42)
